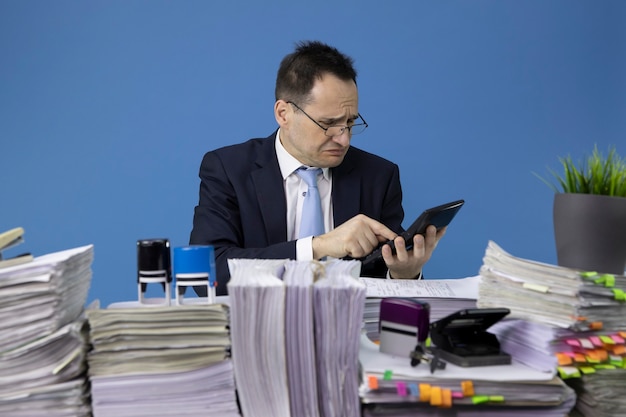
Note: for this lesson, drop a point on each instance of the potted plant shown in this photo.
(589, 212)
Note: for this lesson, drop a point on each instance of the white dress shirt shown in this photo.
(295, 191)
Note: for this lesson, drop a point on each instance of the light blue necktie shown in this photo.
(312, 222)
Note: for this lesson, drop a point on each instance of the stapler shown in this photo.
(462, 337)
(9, 239)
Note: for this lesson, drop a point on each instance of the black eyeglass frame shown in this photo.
(343, 128)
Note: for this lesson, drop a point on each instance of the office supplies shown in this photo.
(9, 239)
(392, 387)
(194, 266)
(403, 323)
(439, 216)
(403, 330)
(462, 337)
(154, 266)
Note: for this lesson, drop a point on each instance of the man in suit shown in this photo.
(251, 198)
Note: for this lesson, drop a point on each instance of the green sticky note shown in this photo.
(607, 340)
(619, 295)
(587, 369)
(387, 375)
(568, 372)
(480, 399)
(496, 398)
(609, 280)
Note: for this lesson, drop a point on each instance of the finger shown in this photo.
(419, 245)
(382, 232)
(431, 232)
(402, 254)
(388, 255)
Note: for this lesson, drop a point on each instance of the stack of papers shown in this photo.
(299, 332)
(565, 319)
(392, 387)
(257, 324)
(296, 324)
(158, 360)
(339, 299)
(444, 296)
(601, 394)
(550, 294)
(591, 362)
(43, 342)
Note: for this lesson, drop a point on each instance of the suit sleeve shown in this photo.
(218, 221)
(391, 215)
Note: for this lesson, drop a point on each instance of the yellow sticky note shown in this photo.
(436, 398)
(536, 287)
(425, 392)
(446, 398)
(467, 387)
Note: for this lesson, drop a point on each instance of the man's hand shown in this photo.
(355, 238)
(407, 264)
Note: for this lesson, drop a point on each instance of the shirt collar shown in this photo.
(287, 163)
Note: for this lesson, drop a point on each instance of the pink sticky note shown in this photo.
(401, 387)
(572, 342)
(596, 341)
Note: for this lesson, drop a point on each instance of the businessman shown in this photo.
(251, 199)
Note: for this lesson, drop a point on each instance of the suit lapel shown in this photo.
(270, 192)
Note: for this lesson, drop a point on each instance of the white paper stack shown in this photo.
(257, 320)
(339, 299)
(161, 360)
(550, 294)
(392, 387)
(444, 296)
(295, 333)
(42, 339)
(300, 336)
(600, 394)
(574, 320)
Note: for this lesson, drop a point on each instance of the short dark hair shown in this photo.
(300, 69)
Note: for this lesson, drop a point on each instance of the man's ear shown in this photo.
(282, 112)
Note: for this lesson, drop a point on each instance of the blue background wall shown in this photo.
(106, 109)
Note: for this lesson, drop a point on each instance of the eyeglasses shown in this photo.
(332, 131)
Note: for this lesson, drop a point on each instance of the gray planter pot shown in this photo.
(590, 232)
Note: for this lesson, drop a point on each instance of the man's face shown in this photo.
(334, 102)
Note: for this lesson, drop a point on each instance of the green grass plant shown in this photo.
(595, 174)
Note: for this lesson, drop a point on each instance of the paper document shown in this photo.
(430, 288)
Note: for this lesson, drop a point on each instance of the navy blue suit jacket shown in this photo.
(242, 208)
